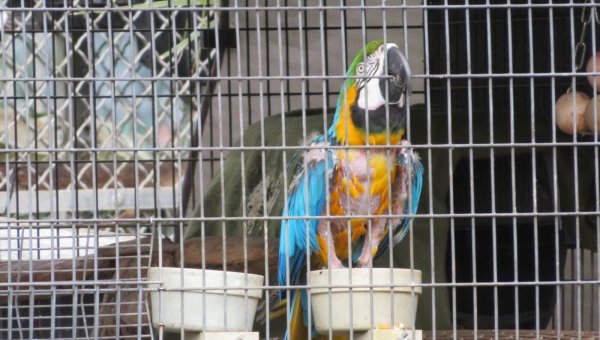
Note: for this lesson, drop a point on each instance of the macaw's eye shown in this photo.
(360, 68)
(381, 48)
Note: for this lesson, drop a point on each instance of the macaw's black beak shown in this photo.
(399, 70)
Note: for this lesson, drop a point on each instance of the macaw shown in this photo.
(371, 110)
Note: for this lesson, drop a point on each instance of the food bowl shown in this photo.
(175, 306)
(393, 300)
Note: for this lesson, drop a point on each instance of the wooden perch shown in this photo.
(81, 270)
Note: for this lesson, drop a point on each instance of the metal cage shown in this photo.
(144, 134)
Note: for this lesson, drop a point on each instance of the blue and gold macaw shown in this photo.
(371, 110)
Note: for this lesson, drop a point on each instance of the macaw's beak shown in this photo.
(399, 70)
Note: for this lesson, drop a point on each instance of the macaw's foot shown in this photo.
(367, 254)
(335, 263)
(365, 260)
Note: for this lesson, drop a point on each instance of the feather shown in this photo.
(298, 237)
(408, 160)
(297, 329)
(307, 199)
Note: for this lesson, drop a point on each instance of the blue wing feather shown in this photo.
(298, 237)
(417, 184)
(307, 199)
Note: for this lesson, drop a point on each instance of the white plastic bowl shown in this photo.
(168, 302)
(402, 297)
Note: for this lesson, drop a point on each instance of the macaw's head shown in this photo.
(372, 103)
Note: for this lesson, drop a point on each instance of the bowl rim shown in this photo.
(174, 270)
(411, 283)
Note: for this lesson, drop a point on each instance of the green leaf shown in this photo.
(181, 45)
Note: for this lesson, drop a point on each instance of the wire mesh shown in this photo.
(140, 134)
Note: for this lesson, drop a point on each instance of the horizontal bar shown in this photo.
(37, 292)
(250, 28)
(296, 8)
(303, 77)
(152, 221)
(495, 145)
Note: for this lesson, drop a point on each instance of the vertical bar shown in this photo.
(285, 232)
(577, 252)
(229, 92)
(268, 59)
(411, 208)
(388, 155)
(264, 184)
(450, 167)
(491, 121)
(262, 152)
(305, 141)
(161, 297)
(368, 235)
(323, 48)
(595, 324)
(555, 202)
(94, 158)
(344, 102)
(248, 61)
(512, 188)
(30, 184)
(203, 95)
(307, 28)
(221, 155)
(287, 30)
(157, 230)
(113, 38)
(534, 172)
(51, 155)
(471, 166)
(9, 174)
(430, 211)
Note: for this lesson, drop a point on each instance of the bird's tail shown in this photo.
(297, 329)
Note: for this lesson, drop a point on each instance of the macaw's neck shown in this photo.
(350, 128)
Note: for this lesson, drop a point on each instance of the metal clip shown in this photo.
(583, 18)
(580, 50)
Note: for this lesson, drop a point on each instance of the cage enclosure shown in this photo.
(178, 135)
